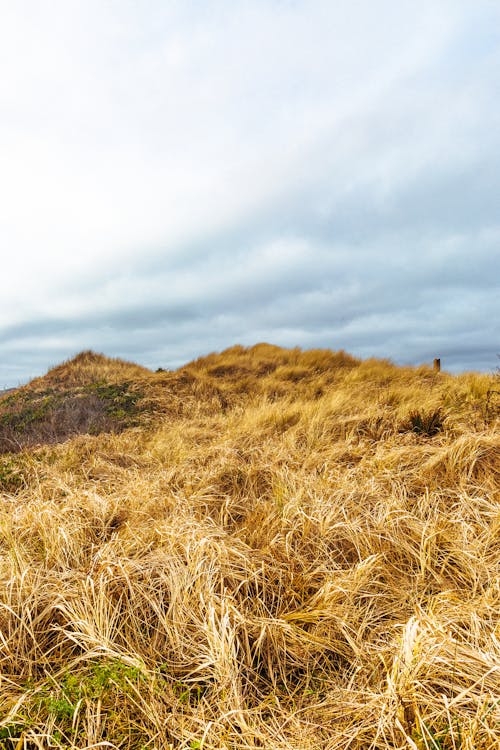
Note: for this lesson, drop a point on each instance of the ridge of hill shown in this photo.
(86, 368)
(267, 548)
(91, 393)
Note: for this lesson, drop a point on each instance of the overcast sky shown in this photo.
(178, 177)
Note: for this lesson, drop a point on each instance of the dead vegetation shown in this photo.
(267, 548)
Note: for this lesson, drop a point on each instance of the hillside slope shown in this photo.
(266, 548)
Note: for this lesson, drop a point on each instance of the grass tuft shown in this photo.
(424, 423)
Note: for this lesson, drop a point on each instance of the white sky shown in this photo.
(177, 177)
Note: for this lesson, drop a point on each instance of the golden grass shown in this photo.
(269, 557)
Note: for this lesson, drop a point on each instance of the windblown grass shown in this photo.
(267, 554)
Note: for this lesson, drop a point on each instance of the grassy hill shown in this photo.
(266, 548)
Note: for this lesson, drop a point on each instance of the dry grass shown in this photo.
(284, 550)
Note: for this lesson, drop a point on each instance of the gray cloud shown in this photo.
(176, 181)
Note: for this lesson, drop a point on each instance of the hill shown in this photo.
(266, 548)
(91, 393)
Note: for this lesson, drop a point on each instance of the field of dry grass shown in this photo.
(267, 548)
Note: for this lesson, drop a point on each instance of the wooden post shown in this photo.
(437, 364)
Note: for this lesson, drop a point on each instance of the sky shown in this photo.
(180, 177)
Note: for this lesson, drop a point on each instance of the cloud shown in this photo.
(180, 178)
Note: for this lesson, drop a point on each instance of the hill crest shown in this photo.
(91, 393)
